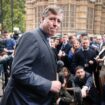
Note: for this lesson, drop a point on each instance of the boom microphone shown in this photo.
(60, 64)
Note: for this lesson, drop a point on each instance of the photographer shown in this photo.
(7, 46)
(85, 82)
(4, 61)
(9, 43)
(65, 97)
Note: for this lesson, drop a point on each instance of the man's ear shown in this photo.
(42, 19)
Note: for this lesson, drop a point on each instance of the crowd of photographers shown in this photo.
(7, 46)
(84, 57)
(82, 71)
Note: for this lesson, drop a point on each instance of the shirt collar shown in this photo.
(45, 33)
(85, 49)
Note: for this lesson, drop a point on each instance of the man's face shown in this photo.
(65, 38)
(80, 73)
(5, 36)
(57, 41)
(99, 40)
(51, 23)
(85, 44)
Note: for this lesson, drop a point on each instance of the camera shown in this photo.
(2, 45)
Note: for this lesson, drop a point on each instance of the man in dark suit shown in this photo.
(65, 45)
(63, 52)
(33, 80)
(85, 56)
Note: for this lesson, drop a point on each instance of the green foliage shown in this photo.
(18, 14)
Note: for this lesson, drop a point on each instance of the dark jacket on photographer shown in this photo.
(92, 92)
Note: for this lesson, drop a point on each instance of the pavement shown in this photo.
(1, 90)
(1, 81)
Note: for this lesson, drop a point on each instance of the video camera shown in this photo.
(2, 45)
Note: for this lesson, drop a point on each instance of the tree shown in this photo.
(18, 14)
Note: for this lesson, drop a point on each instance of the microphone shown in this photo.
(60, 65)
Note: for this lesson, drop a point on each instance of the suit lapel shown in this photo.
(49, 48)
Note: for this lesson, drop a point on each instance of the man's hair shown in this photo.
(54, 9)
(85, 38)
(79, 67)
(4, 32)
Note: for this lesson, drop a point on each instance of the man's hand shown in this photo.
(60, 53)
(56, 86)
(84, 91)
(58, 100)
(91, 62)
(99, 60)
(5, 49)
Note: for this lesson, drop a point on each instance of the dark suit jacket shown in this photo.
(89, 82)
(33, 69)
(82, 58)
(65, 48)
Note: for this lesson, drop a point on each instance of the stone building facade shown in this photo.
(80, 16)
